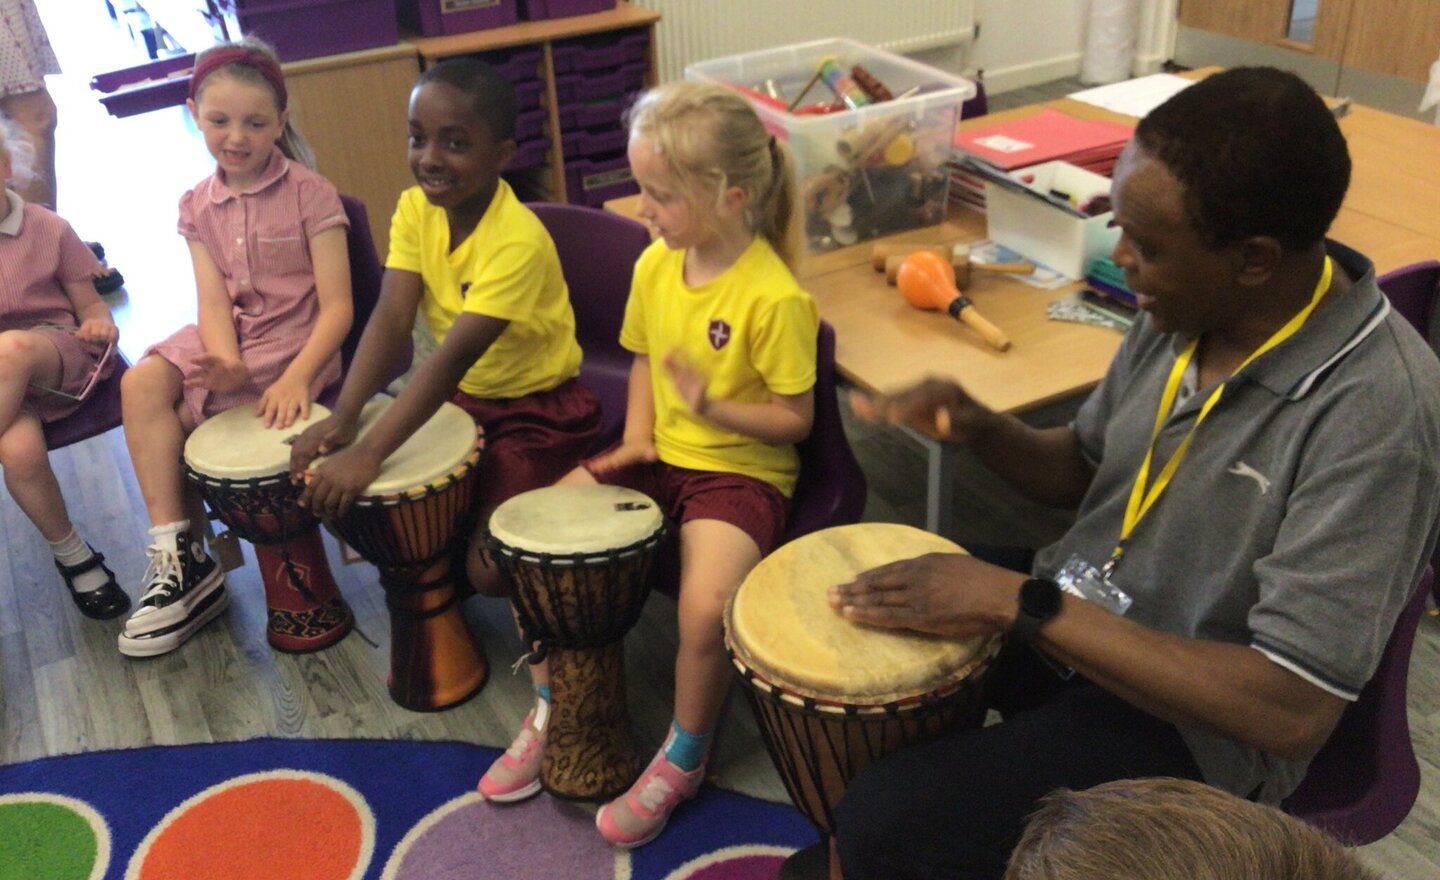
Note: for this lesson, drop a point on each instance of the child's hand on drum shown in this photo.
(689, 381)
(101, 330)
(948, 594)
(216, 373)
(322, 438)
(283, 401)
(627, 453)
(334, 485)
(936, 407)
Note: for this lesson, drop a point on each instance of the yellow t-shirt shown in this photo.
(507, 268)
(751, 330)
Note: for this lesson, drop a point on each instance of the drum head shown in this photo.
(563, 520)
(779, 624)
(436, 449)
(236, 445)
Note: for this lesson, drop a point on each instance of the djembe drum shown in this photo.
(242, 469)
(578, 561)
(833, 696)
(412, 523)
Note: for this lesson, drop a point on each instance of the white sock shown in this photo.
(168, 535)
(70, 550)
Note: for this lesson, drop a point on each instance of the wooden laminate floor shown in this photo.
(64, 688)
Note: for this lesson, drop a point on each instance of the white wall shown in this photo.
(1025, 42)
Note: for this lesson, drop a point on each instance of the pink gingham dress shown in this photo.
(25, 53)
(260, 240)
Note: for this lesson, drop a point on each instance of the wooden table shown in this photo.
(1391, 214)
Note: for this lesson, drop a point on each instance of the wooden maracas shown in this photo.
(927, 281)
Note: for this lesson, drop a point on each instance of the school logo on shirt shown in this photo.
(719, 334)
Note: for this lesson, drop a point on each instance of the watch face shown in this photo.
(1040, 597)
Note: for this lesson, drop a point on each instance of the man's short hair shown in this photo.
(1258, 153)
(491, 95)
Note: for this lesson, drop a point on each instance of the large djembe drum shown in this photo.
(578, 561)
(412, 523)
(242, 469)
(833, 696)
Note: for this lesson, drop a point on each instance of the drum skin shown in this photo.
(242, 470)
(578, 560)
(833, 696)
(412, 524)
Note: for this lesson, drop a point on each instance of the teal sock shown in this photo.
(686, 750)
(543, 690)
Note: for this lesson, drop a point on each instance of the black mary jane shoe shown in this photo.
(102, 603)
(109, 283)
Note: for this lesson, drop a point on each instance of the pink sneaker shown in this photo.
(515, 775)
(639, 815)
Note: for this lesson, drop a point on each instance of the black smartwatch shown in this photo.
(1039, 601)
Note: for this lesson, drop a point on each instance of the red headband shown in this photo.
(262, 63)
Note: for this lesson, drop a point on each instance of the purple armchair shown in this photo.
(598, 250)
(1366, 778)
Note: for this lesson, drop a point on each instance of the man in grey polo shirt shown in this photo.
(1257, 495)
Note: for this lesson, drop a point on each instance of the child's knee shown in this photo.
(149, 382)
(19, 350)
(23, 452)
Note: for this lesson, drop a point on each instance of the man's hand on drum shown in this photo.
(333, 486)
(216, 373)
(627, 453)
(936, 407)
(284, 401)
(948, 594)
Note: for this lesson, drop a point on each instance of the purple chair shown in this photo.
(99, 413)
(1365, 779)
(598, 250)
(365, 275)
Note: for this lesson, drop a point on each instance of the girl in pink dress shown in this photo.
(267, 237)
(56, 338)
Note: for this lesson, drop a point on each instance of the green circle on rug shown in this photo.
(45, 841)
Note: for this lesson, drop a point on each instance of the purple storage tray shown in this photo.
(594, 114)
(146, 87)
(529, 154)
(436, 18)
(530, 124)
(596, 181)
(527, 94)
(594, 143)
(598, 53)
(534, 10)
(573, 87)
(299, 29)
(522, 64)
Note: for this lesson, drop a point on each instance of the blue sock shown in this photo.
(543, 691)
(686, 750)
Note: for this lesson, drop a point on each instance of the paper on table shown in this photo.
(1134, 97)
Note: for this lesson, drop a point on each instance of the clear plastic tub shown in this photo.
(866, 172)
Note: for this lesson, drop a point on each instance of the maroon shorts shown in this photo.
(531, 441)
(751, 505)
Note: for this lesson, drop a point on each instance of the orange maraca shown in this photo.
(927, 281)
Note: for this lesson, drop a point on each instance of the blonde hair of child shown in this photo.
(15, 145)
(710, 139)
(291, 142)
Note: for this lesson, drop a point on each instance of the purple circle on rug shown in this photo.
(756, 867)
(469, 839)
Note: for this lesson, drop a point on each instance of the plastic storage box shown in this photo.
(311, 28)
(865, 172)
(434, 18)
(1032, 224)
(601, 51)
(538, 9)
(596, 181)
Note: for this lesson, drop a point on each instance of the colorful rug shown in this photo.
(278, 809)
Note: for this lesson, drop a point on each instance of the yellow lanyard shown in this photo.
(1140, 500)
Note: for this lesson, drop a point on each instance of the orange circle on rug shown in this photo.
(289, 824)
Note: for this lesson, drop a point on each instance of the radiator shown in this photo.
(695, 30)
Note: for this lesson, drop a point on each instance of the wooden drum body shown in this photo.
(242, 469)
(412, 524)
(833, 696)
(578, 561)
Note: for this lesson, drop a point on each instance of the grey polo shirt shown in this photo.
(1302, 515)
